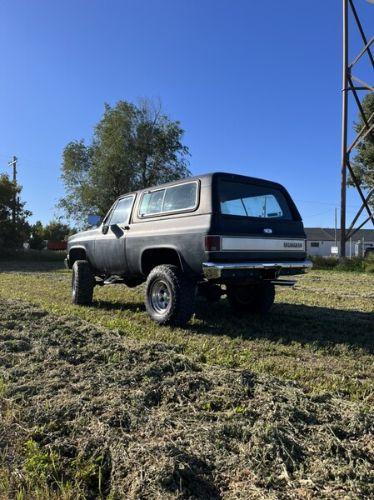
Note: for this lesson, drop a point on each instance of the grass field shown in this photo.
(100, 402)
(320, 334)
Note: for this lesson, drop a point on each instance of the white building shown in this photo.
(322, 242)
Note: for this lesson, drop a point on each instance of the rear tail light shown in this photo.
(212, 243)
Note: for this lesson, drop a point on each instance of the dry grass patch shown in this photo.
(87, 413)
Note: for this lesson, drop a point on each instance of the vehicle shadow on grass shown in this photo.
(108, 305)
(286, 323)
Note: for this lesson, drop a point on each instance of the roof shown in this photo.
(328, 234)
(210, 176)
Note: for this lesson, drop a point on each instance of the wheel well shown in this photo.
(76, 254)
(156, 256)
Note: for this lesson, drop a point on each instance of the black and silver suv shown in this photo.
(215, 234)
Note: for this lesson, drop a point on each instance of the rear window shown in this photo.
(250, 200)
(171, 199)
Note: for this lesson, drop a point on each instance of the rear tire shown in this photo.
(82, 283)
(169, 296)
(251, 298)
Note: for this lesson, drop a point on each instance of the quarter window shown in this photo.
(172, 199)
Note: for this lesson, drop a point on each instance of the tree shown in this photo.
(37, 236)
(57, 231)
(12, 233)
(363, 162)
(133, 147)
(54, 231)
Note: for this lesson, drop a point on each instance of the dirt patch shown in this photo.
(86, 413)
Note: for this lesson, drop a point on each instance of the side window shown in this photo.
(121, 213)
(152, 202)
(180, 197)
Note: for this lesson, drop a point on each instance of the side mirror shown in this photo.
(93, 220)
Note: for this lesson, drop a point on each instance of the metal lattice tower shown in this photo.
(353, 85)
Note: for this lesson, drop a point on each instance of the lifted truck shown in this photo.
(216, 234)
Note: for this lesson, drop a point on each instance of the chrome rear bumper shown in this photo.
(214, 270)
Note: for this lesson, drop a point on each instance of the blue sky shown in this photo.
(255, 84)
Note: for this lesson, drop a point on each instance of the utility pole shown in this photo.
(343, 191)
(13, 163)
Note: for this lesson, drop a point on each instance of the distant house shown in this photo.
(321, 241)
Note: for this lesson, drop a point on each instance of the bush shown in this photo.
(355, 264)
(352, 264)
(324, 262)
(369, 263)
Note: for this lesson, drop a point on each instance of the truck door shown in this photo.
(110, 245)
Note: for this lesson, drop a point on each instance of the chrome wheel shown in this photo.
(160, 294)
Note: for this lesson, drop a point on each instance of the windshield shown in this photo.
(251, 200)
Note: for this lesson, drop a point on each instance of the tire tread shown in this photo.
(84, 283)
(182, 287)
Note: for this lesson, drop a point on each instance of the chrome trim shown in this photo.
(213, 270)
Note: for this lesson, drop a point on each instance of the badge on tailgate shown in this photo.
(293, 244)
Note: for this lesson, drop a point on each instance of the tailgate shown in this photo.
(256, 220)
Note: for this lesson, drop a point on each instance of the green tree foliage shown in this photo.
(134, 146)
(363, 163)
(54, 231)
(12, 234)
(57, 231)
(37, 236)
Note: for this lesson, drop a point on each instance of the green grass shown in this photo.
(319, 334)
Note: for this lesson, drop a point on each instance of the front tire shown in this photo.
(251, 298)
(169, 296)
(82, 283)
